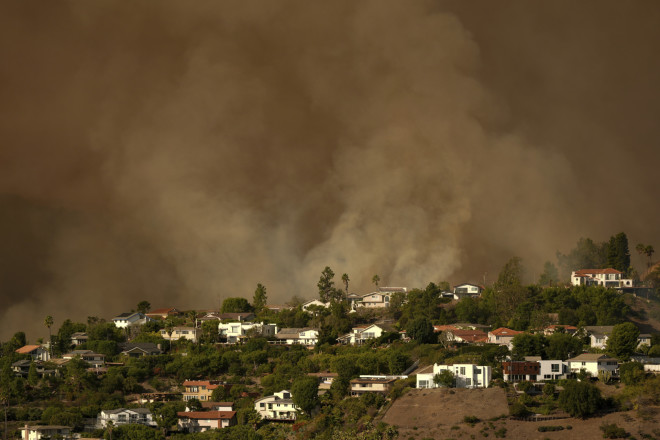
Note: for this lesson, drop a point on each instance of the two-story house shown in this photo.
(199, 421)
(125, 320)
(199, 389)
(610, 278)
(502, 336)
(553, 369)
(594, 363)
(517, 371)
(163, 313)
(305, 336)
(47, 432)
(237, 331)
(372, 384)
(36, 352)
(362, 333)
(124, 416)
(465, 376)
(279, 406)
(95, 360)
(599, 334)
(178, 333)
(379, 299)
(467, 290)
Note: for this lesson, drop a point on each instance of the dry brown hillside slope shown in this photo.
(646, 314)
(439, 414)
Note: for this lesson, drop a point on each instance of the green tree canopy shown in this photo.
(444, 378)
(326, 284)
(421, 329)
(579, 399)
(260, 298)
(618, 254)
(305, 393)
(562, 346)
(623, 341)
(236, 305)
(527, 344)
(143, 306)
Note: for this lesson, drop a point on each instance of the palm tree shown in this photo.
(345, 279)
(48, 322)
(375, 280)
(649, 251)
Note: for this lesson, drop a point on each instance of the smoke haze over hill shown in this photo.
(182, 152)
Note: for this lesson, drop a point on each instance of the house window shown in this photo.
(262, 405)
(462, 371)
(478, 370)
(468, 381)
(554, 368)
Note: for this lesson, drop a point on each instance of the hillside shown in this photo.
(439, 413)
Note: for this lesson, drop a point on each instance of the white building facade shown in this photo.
(465, 376)
(279, 406)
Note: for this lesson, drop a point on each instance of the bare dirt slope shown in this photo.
(438, 414)
(646, 313)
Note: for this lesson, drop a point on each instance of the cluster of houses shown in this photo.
(235, 328)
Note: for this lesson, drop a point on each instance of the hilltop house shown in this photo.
(279, 406)
(465, 376)
(314, 302)
(79, 338)
(123, 416)
(46, 432)
(36, 352)
(125, 320)
(553, 369)
(467, 290)
(95, 360)
(373, 384)
(378, 299)
(234, 332)
(305, 336)
(363, 333)
(188, 333)
(594, 363)
(610, 278)
(199, 421)
(502, 336)
(199, 389)
(599, 334)
(516, 371)
(139, 349)
(163, 313)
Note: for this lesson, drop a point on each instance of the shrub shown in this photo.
(550, 428)
(613, 431)
(518, 410)
(471, 419)
(579, 399)
(500, 433)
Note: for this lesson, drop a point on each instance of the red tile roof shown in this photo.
(211, 415)
(503, 331)
(27, 349)
(471, 335)
(207, 383)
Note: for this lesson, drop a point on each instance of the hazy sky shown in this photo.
(182, 152)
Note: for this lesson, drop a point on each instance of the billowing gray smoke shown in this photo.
(181, 152)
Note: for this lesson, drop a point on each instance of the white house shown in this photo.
(467, 290)
(378, 299)
(465, 376)
(178, 333)
(610, 278)
(599, 334)
(93, 359)
(40, 432)
(124, 416)
(363, 333)
(553, 369)
(314, 302)
(279, 406)
(36, 352)
(236, 331)
(305, 336)
(199, 421)
(125, 320)
(594, 363)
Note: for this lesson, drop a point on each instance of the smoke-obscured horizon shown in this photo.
(183, 152)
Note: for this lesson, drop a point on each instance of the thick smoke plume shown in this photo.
(181, 152)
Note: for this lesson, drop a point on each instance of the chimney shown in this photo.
(27, 432)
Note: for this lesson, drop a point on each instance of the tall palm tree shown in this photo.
(48, 322)
(345, 279)
(375, 280)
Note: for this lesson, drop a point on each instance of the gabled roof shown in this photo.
(470, 284)
(26, 349)
(599, 329)
(165, 311)
(503, 331)
(591, 357)
(470, 335)
(587, 272)
(207, 383)
(207, 415)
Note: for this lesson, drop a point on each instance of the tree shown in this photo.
(326, 284)
(305, 393)
(421, 329)
(631, 373)
(444, 378)
(48, 322)
(550, 275)
(586, 254)
(509, 291)
(169, 329)
(623, 341)
(260, 298)
(33, 377)
(375, 280)
(345, 280)
(194, 405)
(563, 346)
(235, 305)
(618, 255)
(526, 344)
(143, 307)
(579, 399)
